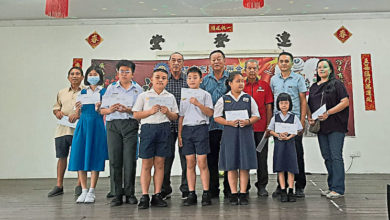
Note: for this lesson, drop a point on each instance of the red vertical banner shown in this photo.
(368, 86)
(78, 62)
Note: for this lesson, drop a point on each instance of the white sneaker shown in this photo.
(324, 193)
(81, 198)
(333, 195)
(90, 198)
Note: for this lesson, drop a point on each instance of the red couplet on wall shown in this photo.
(368, 86)
(217, 28)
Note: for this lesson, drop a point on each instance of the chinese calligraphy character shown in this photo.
(155, 42)
(221, 39)
(283, 39)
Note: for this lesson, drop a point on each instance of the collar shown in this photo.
(118, 84)
(231, 95)
(225, 74)
(78, 89)
(255, 82)
(290, 76)
(182, 76)
(152, 91)
(98, 88)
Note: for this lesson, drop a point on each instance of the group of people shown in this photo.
(217, 128)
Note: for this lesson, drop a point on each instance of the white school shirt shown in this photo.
(142, 104)
(192, 114)
(297, 122)
(218, 108)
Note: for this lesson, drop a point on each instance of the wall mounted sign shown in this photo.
(77, 62)
(94, 39)
(343, 34)
(218, 28)
(155, 42)
(220, 40)
(368, 86)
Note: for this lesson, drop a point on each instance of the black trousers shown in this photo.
(213, 158)
(166, 186)
(262, 162)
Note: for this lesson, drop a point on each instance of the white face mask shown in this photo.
(93, 80)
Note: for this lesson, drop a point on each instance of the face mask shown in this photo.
(93, 80)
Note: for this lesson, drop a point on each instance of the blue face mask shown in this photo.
(93, 80)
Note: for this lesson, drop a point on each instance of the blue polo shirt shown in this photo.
(217, 89)
(292, 85)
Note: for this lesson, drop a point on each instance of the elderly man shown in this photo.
(64, 106)
(294, 84)
(262, 94)
(176, 81)
(214, 83)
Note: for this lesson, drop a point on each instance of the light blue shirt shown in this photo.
(217, 89)
(116, 88)
(292, 85)
(192, 114)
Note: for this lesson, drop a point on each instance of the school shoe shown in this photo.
(324, 193)
(277, 192)
(56, 191)
(165, 195)
(262, 192)
(283, 195)
(81, 198)
(299, 193)
(158, 201)
(233, 199)
(334, 195)
(144, 202)
(243, 199)
(184, 195)
(131, 200)
(117, 201)
(192, 199)
(110, 195)
(77, 190)
(206, 199)
(90, 198)
(291, 196)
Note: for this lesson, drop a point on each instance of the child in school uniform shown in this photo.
(193, 135)
(285, 155)
(238, 151)
(122, 132)
(155, 130)
(89, 145)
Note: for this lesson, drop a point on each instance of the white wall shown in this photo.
(34, 59)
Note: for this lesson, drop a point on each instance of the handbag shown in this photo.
(316, 127)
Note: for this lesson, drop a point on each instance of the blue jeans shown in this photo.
(331, 146)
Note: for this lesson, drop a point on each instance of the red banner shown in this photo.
(217, 28)
(368, 86)
(268, 67)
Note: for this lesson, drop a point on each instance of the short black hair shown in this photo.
(98, 70)
(176, 53)
(127, 63)
(76, 68)
(288, 54)
(217, 51)
(284, 97)
(194, 69)
(231, 78)
(159, 70)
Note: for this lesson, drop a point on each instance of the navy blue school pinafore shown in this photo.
(238, 149)
(285, 155)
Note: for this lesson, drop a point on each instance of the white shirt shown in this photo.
(218, 108)
(142, 104)
(192, 114)
(297, 122)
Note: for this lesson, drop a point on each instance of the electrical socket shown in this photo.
(355, 154)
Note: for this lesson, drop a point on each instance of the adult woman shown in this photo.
(333, 124)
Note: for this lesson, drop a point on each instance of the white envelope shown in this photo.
(286, 127)
(236, 115)
(88, 99)
(164, 101)
(65, 121)
(321, 110)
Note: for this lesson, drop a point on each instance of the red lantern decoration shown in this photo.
(57, 8)
(253, 3)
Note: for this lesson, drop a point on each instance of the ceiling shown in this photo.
(103, 9)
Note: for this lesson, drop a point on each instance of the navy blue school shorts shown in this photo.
(154, 140)
(63, 144)
(195, 140)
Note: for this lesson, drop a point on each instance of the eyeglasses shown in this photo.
(122, 71)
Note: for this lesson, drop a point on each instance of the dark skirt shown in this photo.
(285, 156)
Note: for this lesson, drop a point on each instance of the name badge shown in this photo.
(245, 99)
(260, 89)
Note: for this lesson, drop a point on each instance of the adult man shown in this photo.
(293, 84)
(64, 106)
(262, 94)
(214, 83)
(176, 80)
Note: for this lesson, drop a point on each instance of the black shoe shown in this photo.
(227, 194)
(291, 196)
(165, 195)
(191, 199)
(262, 192)
(117, 201)
(110, 195)
(233, 199)
(283, 195)
(158, 201)
(131, 200)
(144, 202)
(206, 199)
(243, 197)
(184, 195)
(214, 194)
(276, 193)
(299, 193)
(56, 191)
(77, 191)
